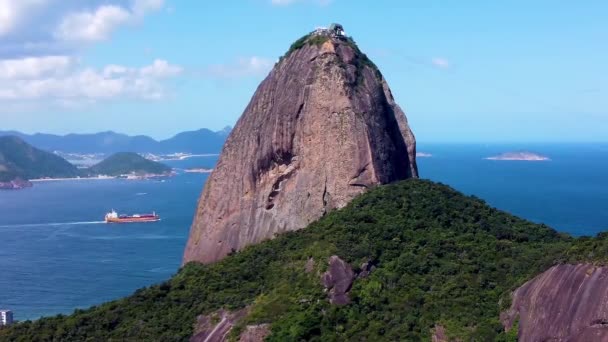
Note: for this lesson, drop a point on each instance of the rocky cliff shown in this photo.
(565, 303)
(321, 128)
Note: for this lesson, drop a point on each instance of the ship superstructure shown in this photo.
(114, 217)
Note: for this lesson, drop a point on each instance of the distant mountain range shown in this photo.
(200, 141)
(21, 162)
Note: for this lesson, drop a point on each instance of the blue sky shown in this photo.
(464, 71)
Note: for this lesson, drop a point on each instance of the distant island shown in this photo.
(129, 165)
(423, 155)
(21, 163)
(523, 156)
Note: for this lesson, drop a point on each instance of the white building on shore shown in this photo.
(6, 317)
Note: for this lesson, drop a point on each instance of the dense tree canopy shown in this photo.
(440, 258)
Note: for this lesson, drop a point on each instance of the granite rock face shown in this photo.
(320, 129)
(216, 327)
(565, 303)
(255, 333)
(438, 334)
(338, 279)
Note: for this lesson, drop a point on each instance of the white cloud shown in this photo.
(13, 12)
(92, 26)
(33, 67)
(39, 63)
(243, 67)
(161, 69)
(441, 63)
(34, 79)
(97, 25)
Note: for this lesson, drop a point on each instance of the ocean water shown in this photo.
(568, 193)
(55, 256)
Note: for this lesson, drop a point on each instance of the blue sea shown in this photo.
(56, 255)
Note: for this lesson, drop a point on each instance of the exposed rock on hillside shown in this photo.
(321, 128)
(255, 333)
(216, 327)
(439, 334)
(565, 303)
(338, 280)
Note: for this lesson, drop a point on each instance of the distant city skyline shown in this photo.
(463, 72)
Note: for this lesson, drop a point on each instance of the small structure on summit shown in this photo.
(334, 31)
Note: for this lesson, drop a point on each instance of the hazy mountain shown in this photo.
(200, 141)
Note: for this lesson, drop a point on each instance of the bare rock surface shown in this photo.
(565, 303)
(320, 129)
(255, 333)
(310, 265)
(366, 270)
(216, 327)
(338, 280)
(439, 334)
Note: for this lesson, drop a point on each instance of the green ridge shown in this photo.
(123, 163)
(441, 258)
(21, 160)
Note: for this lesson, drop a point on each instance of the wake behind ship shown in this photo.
(113, 217)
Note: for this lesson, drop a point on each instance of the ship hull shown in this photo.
(133, 219)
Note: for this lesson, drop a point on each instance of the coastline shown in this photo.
(70, 179)
(125, 177)
(179, 156)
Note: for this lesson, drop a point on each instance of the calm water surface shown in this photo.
(55, 256)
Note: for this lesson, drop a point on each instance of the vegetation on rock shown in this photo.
(298, 44)
(440, 258)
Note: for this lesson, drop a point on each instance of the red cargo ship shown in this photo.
(113, 217)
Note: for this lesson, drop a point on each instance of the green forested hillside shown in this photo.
(21, 160)
(127, 162)
(440, 258)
